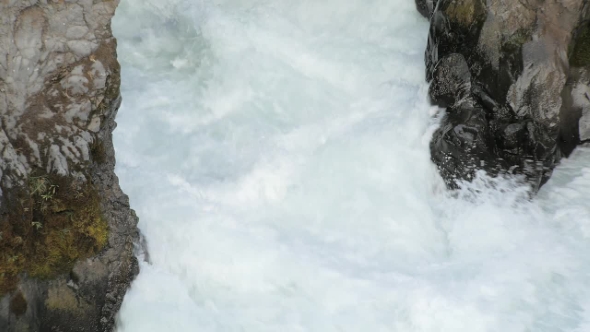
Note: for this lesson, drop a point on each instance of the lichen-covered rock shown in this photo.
(67, 233)
(515, 79)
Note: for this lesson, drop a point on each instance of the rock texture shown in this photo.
(67, 233)
(514, 77)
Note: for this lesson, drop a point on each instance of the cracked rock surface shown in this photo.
(59, 94)
(514, 77)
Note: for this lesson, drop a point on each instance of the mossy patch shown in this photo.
(580, 47)
(516, 40)
(47, 226)
(465, 12)
(98, 152)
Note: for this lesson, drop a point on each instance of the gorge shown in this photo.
(295, 165)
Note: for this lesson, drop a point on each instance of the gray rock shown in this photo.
(59, 95)
(514, 77)
(425, 7)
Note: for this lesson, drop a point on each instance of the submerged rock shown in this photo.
(67, 233)
(515, 79)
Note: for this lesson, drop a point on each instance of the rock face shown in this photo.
(514, 77)
(67, 233)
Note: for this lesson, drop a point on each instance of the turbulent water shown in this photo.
(276, 152)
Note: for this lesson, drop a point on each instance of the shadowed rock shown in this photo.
(515, 79)
(425, 7)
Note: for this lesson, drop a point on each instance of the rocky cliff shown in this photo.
(67, 232)
(514, 77)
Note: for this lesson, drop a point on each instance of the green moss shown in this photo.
(516, 40)
(580, 47)
(47, 227)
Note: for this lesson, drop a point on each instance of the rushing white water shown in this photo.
(276, 152)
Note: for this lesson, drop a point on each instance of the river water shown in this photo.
(276, 152)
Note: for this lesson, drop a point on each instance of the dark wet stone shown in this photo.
(515, 80)
(451, 81)
(425, 7)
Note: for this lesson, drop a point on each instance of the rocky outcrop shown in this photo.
(514, 77)
(67, 233)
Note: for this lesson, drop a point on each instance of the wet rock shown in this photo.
(514, 77)
(425, 7)
(451, 81)
(67, 233)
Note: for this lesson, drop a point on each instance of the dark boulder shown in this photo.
(515, 79)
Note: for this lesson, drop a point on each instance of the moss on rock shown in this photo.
(580, 47)
(516, 40)
(47, 226)
(465, 12)
(98, 152)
